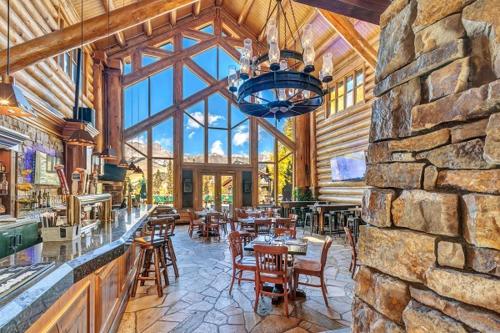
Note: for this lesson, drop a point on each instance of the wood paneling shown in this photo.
(343, 133)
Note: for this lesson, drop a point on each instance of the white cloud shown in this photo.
(193, 124)
(213, 118)
(240, 138)
(191, 135)
(216, 148)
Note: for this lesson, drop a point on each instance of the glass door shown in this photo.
(217, 191)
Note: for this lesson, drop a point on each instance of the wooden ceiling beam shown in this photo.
(38, 49)
(196, 8)
(148, 28)
(348, 32)
(365, 10)
(173, 18)
(244, 12)
(109, 6)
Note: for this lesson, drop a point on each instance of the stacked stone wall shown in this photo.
(430, 252)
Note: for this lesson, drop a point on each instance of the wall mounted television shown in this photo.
(349, 167)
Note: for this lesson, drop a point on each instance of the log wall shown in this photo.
(342, 133)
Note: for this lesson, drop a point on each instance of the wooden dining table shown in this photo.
(296, 247)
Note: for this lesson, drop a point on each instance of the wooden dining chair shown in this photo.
(241, 263)
(313, 268)
(352, 244)
(271, 263)
(212, 224)
(194, 223)
(262, 226)
(280, 231)
(245, 235)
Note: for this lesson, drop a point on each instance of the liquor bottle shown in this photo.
(47, 199)
(34, 204)
(39, 200)
(4, 186)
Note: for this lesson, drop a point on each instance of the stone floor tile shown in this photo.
(147, 317)
(232, 329)
(206, 328)
(161, 326)
(215, 317)
(127, 325)
(275, 324)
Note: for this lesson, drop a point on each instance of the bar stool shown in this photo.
(311, 217)
(153, 247)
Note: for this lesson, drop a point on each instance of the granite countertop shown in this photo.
(73, 260)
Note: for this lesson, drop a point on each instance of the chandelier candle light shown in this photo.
(273, 85)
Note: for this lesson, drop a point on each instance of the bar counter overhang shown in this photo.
(21, 309)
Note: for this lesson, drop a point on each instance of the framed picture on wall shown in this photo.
(188, 186)
(247, 187)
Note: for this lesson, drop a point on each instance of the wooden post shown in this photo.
(98, 69)
(178, 128)
(302, 156)
(113, 106)
(312, 154)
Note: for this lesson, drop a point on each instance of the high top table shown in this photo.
(321, 209)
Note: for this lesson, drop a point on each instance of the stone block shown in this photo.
(378, 152)
(471, 288)
(450, 79)
(481, 18)
(369, 320)
(401, 253)
(430, 177)
(492, 142)
(391, 113)
(403, 157)
(462, 155)
(430, 11)
(420, 318)
(483, 260)
(422, 142)
(484, 181)
(435, 213)
(424, 64)
(397, 175)
(482, 220)
(397, 41)
(451, 254)
(386, 294)
(440, 33)
(394, 8)
(480, 320)
(469, 131)
(376, 207)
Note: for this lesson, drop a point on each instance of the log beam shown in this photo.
(347, 31)
(244, 12)
(37, 49)
(197, 8)
(173, 18)
(148, 29)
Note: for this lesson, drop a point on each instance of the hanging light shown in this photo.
(12, 100)
(109, 153)
(232, 79)
(274, 88)
(326, 73)
(123, 163)
(81, 137)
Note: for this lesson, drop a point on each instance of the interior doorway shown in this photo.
(217, 191)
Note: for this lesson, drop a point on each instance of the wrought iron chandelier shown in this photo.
(280, 83)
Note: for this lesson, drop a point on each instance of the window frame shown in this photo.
(334, 91)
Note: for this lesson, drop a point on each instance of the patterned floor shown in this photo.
(198, 301)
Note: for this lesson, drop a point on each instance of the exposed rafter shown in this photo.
(173, 17)
(38, 49)
(109, 6)
(244, 12)
(347, 31)
(196, 8)
(148, 28)
(262, 34)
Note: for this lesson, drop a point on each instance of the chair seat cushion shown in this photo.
(307, 265)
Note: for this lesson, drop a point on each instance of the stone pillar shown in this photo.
(113, 107)
(430, 253)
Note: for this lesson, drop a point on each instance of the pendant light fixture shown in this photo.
(109, 152)
(81, 137)
(12, 100)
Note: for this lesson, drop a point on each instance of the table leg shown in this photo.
(321, 222)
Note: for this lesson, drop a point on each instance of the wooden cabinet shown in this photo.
(94, 304)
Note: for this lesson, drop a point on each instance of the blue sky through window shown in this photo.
(148, 60)
(240, 143)
(194, 141)
(217, 111)
(207, 60)
(136, 103)
(236, 115)
(191, 83)
(217, 146)
(167, 47)
(188, 42)
(163, 139)
(266, 142)
(127, 68)
(162, 86)
(208, 29)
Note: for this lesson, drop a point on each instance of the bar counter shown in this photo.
(87, 268)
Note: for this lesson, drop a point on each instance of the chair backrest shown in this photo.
(350, 240)
(283, 222)
(240, 213)
(324, 252)
(235, 245)
(213, 217)
(280, 231)
(263, 226)
(161, 228)
(192, 216)
(232, 224)
(293, 217)
(271, 260)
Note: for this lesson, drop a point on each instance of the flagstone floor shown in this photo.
(198, 301)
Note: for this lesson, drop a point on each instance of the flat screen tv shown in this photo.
(348, 167)
(45, 173)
